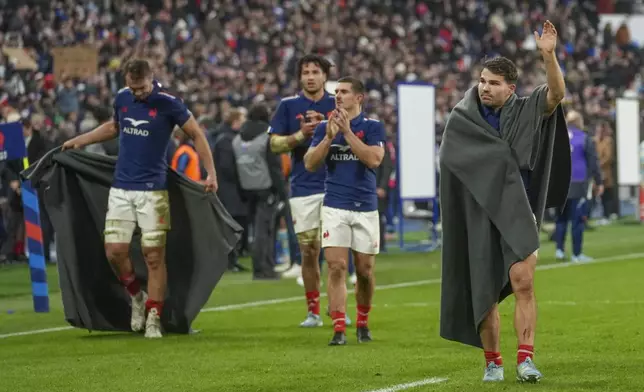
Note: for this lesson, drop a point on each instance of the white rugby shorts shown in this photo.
(306, 212)
(358, 230)
(149, 209)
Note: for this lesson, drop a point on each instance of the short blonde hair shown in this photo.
(574, 117)
(233, 115)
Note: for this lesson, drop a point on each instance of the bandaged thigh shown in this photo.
(153, 238)
(309, 237)
(118, 231)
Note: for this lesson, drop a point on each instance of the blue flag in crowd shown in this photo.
(12, 142)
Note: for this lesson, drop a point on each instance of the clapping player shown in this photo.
(352, 146)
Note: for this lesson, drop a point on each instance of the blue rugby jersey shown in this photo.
(286, 121)
(145, 127)
(350, 184)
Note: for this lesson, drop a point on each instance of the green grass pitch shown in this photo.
(588, 336)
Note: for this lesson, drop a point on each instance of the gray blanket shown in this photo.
(487, 214)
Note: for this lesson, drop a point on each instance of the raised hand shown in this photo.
(548, 39)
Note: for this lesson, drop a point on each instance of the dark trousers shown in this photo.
(14, 226)
(265, 210)
(609, 202)
(242, 245)
(46, 227)
(573, 212)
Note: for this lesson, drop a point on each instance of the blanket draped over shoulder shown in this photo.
(75, 186)
(487, 215)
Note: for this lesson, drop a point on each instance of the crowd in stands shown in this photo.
(222, 54)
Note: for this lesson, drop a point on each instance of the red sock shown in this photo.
(131, 284)
(152, 304)
(524, 351)
(339, 321)
(363, 315)
(313, 302)
(491, 356)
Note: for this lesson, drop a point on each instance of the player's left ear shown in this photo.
(512, 87)
(360, 98)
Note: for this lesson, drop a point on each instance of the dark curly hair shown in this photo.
(320, 61)
(503, 66)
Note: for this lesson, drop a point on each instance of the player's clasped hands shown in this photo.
(332, 126)
(341, 120)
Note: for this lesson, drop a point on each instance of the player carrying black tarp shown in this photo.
(144, 117)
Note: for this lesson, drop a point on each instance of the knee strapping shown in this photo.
(119, 231)
(153, 238)
(309, 237)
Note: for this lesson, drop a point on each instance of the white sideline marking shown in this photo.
(596, 302)
(254, 304)
(35, 332)
(401, 387)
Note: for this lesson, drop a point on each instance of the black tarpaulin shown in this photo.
(75, 185)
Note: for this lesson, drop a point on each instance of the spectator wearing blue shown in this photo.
(585, 167)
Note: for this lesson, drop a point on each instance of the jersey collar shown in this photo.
(357, 120)
(488, 111)
(304, 97)
(155, 89)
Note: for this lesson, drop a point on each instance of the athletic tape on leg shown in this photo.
(153, 238)
(119, 231)
(309, 237)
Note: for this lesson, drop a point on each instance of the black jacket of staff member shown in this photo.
(11, 210)
(260, 176)
(229, 192)
(383, 173)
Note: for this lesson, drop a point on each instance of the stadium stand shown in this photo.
(60, 63)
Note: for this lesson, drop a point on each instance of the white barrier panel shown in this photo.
(330, 86)
(416, 141)
(628, 142)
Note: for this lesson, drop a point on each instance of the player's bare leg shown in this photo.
(525, 317)
(309, 242)
(118, 235)
(365, 287)
(153, 213)
(337, 262)
(311, 266)
(154, 255)
(491, 338)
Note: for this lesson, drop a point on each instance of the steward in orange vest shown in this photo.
(186, 161)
